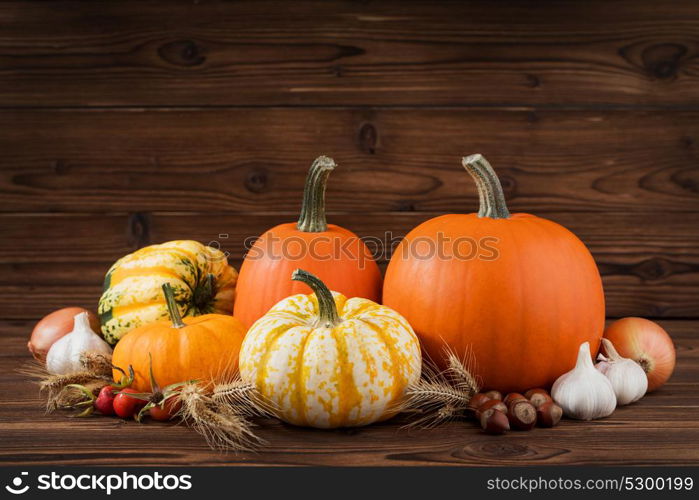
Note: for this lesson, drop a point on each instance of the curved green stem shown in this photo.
(88, 403)
(154, 387)
(172, 308)
(327, 310)
(489, 188)
(312, 219)
(126, 380)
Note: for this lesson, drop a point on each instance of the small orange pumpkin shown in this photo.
(203, 348)
(334, 254)
(517, 292)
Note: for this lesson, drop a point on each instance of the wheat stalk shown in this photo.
(441, 395)
(55, 386)
(220, 425)
(96, 363)
(243, 398)
(459, 371)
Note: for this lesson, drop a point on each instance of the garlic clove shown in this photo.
(584, 393)
(627, 377)
(64, 355)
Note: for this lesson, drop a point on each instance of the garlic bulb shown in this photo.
(584, 393)
(64, 355)
(627, 377)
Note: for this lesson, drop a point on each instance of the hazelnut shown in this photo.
(494, 395)
(512, 397)
(531, 392)
(491, 404)
(494, 422)
(477, 400)
(549, 414)
(538, 397)
(522, 415)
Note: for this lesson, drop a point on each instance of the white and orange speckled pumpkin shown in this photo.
(328, 361)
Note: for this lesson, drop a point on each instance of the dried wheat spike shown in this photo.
(53, 385)
(459, 371)
(221, 427)
(243, 398)
(99, 364)
(440, 396)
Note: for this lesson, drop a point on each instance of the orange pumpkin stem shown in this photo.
(172, 308)
(327, 310)
(312, 219)
(492, 198)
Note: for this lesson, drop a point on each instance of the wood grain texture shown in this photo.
(649, 261)
(634, 435)
(129, 123)
(255, 160)
(77, 53)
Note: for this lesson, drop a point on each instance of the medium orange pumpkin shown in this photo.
(203, 348)
(518, 292)
(334, 254)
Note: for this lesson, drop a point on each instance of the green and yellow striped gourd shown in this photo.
(199, 275)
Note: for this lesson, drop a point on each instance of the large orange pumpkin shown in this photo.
(517, 292)
(334, 254)
(203, 348)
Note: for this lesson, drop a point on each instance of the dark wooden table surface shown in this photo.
(663, 428)
(124, 124)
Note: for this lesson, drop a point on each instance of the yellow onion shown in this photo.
(54, 326)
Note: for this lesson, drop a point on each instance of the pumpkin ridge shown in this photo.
(366, 307)
(369, 364)
(548, 228)
(268, 343)
(227, 365)
(187, 258)
(346, 390)
(157, 271)
(290, 316)
(373, 368)
(121, 310)
(299, 392)
(512, 234)
(190, 261)
(397, 360)
(107, 280)
(136, 260)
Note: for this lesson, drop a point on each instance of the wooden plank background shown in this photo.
(135, 122)
(130, 123)
(192, 53)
